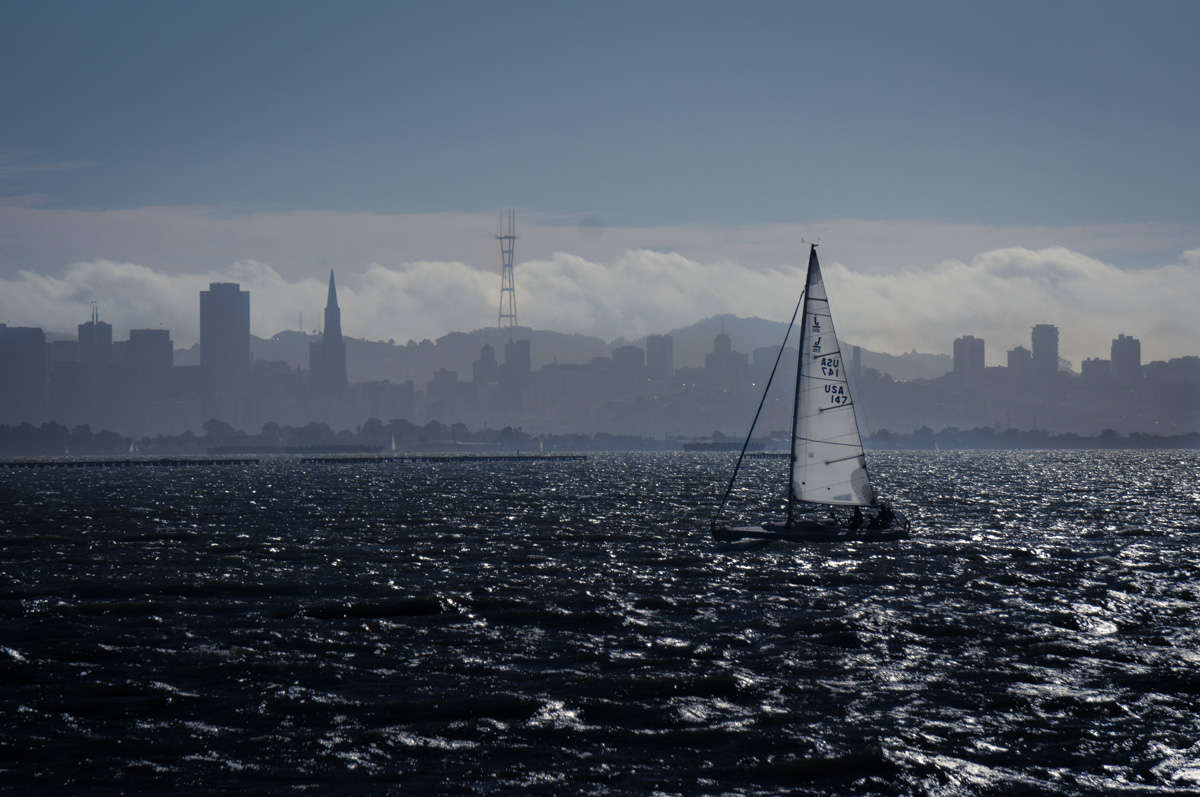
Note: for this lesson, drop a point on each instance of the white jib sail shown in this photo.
(830, 467)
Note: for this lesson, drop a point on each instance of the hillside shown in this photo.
(369, 360)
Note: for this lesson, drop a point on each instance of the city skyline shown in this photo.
(961, 164)
(580, 385)
(995, 355)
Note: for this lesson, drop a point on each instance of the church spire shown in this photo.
(327, 364)
(332, 300)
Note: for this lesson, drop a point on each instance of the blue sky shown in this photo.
(988, 125)
(645, 113)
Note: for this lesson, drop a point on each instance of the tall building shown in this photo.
(725, 366)
(515, 375)
(95, 340)
(517, 361)
(150, 356)
(628, 367)
(1094, 371)
(1126, 359)
(484, 370)
(22, 374)
(327, 362)
(1020, 365)
(660, 356)
(968, 361)
(225, 351)
(1045, 352)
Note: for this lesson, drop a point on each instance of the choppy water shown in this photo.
(572, 628)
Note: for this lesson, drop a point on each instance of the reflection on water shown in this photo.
(489, 627)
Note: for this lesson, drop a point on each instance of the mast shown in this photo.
(791, 489)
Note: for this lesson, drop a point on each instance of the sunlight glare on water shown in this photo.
(572, 627)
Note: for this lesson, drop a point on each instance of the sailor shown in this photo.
(856, 520)
(884, 518)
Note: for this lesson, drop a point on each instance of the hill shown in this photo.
(369, 360)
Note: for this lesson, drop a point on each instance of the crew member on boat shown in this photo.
(883, 518)
(856, 520)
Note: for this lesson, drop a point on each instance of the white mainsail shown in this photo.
(828, 462)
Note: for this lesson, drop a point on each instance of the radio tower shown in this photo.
(508, 289)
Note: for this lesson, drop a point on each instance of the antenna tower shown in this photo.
(508, 289)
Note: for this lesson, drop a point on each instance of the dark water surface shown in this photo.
(571, 628)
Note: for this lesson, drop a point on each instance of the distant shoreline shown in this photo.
(401, 437)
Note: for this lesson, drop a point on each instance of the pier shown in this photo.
(191, 462)
(131, 462)
(447, 458)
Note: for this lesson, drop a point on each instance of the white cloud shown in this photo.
(997, 295)
(645, 292)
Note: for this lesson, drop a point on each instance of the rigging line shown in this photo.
(837, 407)
(712, 526)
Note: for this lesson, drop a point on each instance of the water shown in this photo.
(571, 628)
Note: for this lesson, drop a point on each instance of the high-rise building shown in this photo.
(515, 376)
(968, 361)
(22, 374)
(327, 361)
(484, 370)
(1020, 365)
(225, 351)
(628, 367)
(725, 367)
(660, 356)
(517, 361)
(1045, 352)
(150, 355)
(1126, 359)
(95, 341)
(1094, 371)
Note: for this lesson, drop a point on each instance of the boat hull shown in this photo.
(814, 531)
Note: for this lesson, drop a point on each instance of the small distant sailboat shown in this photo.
(827, 466)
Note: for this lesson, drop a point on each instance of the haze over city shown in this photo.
(967, 168)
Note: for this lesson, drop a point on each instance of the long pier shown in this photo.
(336, 460)
(131, 462)
(190, 462)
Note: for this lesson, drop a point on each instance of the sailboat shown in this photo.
(827, 467)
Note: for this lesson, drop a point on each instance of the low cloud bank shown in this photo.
(997, 295)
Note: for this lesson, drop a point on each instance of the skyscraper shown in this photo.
(150, 357)
(517, 361)
(660, 356)
(1020, 366)
(22, 374)
(968, 360)
(1126, 358)
(95, 341)
(225, 351)
(1045, 352)
(327, 356)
